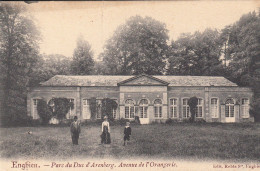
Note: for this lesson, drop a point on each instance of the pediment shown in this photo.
(143, 80)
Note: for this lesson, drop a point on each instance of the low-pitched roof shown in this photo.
(113, 80)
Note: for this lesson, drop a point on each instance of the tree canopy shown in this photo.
(19, 38)
(139, 46)
(82, 63)
(196, 54)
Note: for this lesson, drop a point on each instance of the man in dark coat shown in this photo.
(75, 130)
(127, 133)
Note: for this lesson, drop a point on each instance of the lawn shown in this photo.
(179, 140)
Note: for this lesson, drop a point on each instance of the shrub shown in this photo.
(61, 107)
(193, 102)
(93, 107)
(255, 109)
(169, 121)
(44, 111)
(107, 107)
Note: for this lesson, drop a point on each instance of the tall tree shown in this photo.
(19, 39)
(243, 52)
(83, 63)
(48, 66)
(243, 49)
(196, 54)
(138, 46)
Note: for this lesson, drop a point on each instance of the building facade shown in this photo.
(152, 98)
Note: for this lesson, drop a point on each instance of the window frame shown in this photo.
(217, 111)
(143, 108)
(129, 106)
(33, 114)
(229, 108)
(186, 106)
(159, 109)
(241, 108)
(202, 108)
(172, 107)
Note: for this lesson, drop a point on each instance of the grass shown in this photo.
(179, 140)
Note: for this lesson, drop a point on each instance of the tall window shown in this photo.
(229, 108)
(173, 108)
(143, 106)
(129, 108)
(34, 111)
(214, 107)
(158, 108)
(199, 109)
(185, 108)
(245, 108)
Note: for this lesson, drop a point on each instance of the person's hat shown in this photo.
(105, 117)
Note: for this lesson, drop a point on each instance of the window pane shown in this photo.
(175, 112)
(144, 102)
(126, 112)
(132, 112)
(157, 101)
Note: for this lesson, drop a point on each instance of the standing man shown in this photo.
(75, 130)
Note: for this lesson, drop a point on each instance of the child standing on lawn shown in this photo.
(127, 133)
(75, 130)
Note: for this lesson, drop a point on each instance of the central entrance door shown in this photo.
(143, 106)
(230, 110)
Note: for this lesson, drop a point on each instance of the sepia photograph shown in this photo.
(130, 85)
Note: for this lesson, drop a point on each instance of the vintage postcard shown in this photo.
(130, 85)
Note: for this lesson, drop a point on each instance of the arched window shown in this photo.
(143, 106)
(185, 108)
(173, 108)
(245, 108)
(214, 107)
(129, 108)
(199, 108)
(158, 108)
(229, 108)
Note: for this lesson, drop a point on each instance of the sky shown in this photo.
(61, 23)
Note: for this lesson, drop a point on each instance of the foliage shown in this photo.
(139, 46)
(93, 107)
(107, 107)
(19, 40)
(82, 63)
(196, 54)
(242, 54)
(61, 107)
(255, 108)
(193, 102)
(48, 66)
(44, 111)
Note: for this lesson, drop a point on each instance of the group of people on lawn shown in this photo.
(75, 129)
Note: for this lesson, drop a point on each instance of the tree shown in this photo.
(107, 107)
(48, 66)
(60, 107)
(44, 111)
(242, 52)
(193, 102)
(139, 46)
(243, 49)
(19, 40)
(82, 63)
(93, 107)
(196, 54)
